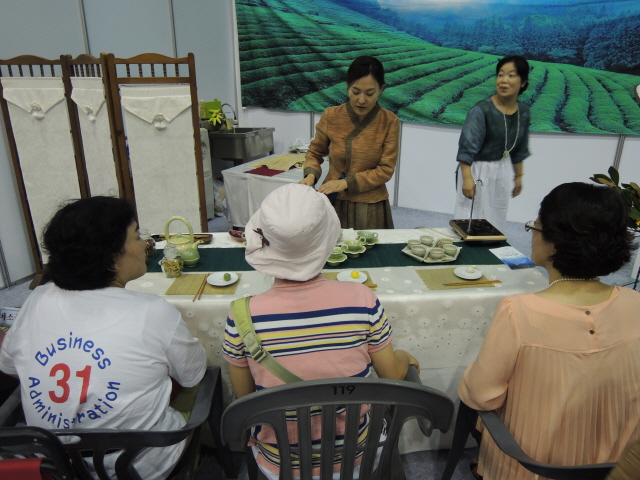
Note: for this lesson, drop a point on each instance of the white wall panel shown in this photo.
(204, 28)
(559, 158)
(39, 27)
(288, 125)
(427, 167)
(127, 28)
(630, 161)
(428, 162)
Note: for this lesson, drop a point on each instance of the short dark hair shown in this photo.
(587, 225)
(522, 67)
(364, 66)
(84, 239)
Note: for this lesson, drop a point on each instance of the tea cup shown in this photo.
(444, 241)
(413, 242)
(436, 253)
(352, 245)
(419, 250)
(426, 240)
(336, 254)
(366, 235)
(450, 249)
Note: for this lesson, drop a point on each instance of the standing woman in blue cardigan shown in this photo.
(496, 129)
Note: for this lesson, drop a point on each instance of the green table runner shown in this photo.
(211, 260)
(381, 255)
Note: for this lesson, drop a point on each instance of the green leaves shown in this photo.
(630, 193)
(600, 178)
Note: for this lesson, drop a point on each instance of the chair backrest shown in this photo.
(28, 441)
(628, 465)
(505, 441)
(466, 423)
(82, 444)
(393, 401)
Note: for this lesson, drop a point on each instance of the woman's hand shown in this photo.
(413, 361)
(309, 180)
(333, 186)
(517, 189)
(468, 186)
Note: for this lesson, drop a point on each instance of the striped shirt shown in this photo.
(317, 329)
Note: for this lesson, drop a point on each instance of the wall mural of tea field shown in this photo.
(440, 60)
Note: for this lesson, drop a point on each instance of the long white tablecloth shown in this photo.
(443, 329)
(245, 191)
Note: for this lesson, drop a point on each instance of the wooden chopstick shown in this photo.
(201, 288)
(477, 282)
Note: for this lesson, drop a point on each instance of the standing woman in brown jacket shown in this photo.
(361, 140)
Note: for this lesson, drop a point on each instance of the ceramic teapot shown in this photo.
(187, 248)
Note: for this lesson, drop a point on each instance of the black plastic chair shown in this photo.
(31, 441)
(96, 443)
(466, 424)
(628, 466)
(393, 401)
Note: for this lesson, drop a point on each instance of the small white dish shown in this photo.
(217, 279)
(345, 276)
(462, 273)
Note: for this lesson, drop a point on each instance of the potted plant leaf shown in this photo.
(630, 193)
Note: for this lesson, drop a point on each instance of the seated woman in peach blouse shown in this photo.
(562, 366)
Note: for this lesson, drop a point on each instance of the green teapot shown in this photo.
(187, 248)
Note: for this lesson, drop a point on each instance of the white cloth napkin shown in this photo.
(35, 95)
(157, 106)
(88, 94)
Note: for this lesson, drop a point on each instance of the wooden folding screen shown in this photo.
(49, 166)
(33, 171)
(151, 70)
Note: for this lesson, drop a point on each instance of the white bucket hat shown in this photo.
(292, 234)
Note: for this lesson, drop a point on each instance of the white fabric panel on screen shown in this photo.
(88, 95)
(40, 122)
(159, 128)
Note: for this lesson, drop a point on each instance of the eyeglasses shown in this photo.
(531, 226)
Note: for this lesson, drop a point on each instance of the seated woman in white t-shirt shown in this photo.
(90, 354)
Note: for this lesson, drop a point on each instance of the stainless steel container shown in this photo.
(242, 145)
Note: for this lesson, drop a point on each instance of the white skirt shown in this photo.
(492, 196)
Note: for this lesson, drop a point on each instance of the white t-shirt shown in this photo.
(102, 359)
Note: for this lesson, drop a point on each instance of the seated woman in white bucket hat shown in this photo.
(346, 328)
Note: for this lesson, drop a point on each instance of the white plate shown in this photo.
(217, 279)
(345, 276)
(462, 273)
